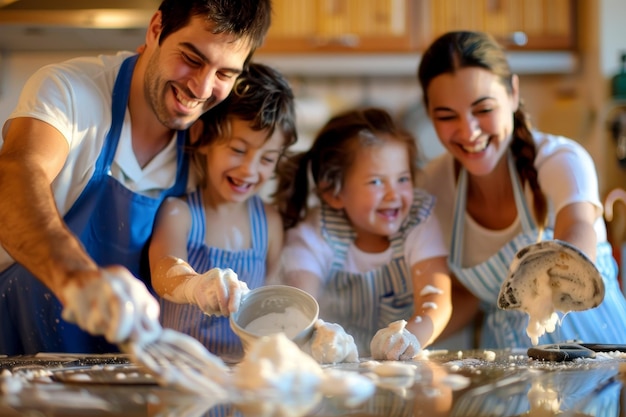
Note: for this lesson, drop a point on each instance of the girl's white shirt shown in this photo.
(307, 250)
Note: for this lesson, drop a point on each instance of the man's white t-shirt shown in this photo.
(75, 97)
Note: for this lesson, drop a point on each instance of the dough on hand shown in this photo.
(547, 277)
(331, 344)
(394, 342)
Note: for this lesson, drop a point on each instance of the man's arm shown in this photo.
(31, 229)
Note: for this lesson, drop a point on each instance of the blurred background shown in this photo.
(570, 55)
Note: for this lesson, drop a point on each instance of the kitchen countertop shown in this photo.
(464, 383)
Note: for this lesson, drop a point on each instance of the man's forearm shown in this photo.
(31, 229)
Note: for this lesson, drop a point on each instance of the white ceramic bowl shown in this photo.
(273, 309)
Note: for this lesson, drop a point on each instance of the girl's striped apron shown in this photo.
(363, 303)
(249, 264)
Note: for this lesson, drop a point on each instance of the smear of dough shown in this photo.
(429, 290)
(274, 363)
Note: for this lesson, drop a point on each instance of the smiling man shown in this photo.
(92, 148)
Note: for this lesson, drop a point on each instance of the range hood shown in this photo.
(64, 25)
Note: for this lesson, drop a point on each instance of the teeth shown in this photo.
(187, 102)
(476, 147)
(237, 182)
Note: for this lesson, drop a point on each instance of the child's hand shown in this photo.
(217, 292)
(394, 342)
(331, 344)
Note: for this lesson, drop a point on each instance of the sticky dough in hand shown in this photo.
(547, 277)
(394, 342)
(331, 344)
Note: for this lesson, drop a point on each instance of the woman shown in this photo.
(501, 186)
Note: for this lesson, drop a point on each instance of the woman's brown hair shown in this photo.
(462, 49)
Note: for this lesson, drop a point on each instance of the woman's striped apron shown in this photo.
(506, 328)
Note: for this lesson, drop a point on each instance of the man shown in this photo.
(92, 148)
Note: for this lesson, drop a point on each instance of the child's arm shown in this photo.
(168, 247)
(275, 240)
(216, 292)
(432, 288)
(304, 280)
(402, 340)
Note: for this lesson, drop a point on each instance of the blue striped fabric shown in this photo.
(249, 264)
(364, 303)
(506, 329)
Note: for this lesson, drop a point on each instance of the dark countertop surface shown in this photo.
(467, 383)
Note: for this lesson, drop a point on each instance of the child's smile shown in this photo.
(377, 193)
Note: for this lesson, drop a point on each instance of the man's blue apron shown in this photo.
(114, 225)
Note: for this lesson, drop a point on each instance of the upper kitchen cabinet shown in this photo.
(327, 26)
(517, 24)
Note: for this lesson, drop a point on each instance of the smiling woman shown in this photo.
(502, 186)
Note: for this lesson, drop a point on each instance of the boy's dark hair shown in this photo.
(249, 19)
(261, 96)
(331, 156)
(464, 49)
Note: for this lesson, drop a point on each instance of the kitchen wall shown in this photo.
(573, 101)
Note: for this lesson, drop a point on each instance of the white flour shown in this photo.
(291, 322)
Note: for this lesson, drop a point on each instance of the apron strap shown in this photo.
(121, 90)
(458, 228)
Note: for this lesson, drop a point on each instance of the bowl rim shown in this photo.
(301, 337)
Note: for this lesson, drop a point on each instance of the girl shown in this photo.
(501, 184)
(372, 253)
(224, 223)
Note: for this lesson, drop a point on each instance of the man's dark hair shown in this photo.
(249, 19)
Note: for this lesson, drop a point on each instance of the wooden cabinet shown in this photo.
(307, 26)
(373, 26)
(546, 24)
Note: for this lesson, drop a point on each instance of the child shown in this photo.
(372, 253)
(224, 223)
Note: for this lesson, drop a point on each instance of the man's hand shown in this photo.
(116, 305)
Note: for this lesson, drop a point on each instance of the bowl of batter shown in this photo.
(275, 309)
